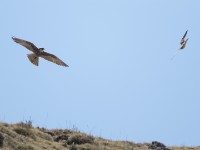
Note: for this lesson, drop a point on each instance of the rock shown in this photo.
(157, 146)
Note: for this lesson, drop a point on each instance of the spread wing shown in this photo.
(183, 38)
(26, 44)
(185, 35)
(53, 58)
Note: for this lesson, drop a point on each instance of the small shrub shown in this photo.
(1, 140)
(27, 124)
(62, 138)
(25, 147)
(73, 147)
(44, 136)
(80, 139)
(25, 132)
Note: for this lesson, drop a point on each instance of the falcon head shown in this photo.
(41, 49)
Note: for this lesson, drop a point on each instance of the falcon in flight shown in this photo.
(183, 41)
(38, 52)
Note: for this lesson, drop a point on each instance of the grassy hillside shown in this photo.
(22, 136)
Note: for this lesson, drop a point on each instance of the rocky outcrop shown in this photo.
(157, 146)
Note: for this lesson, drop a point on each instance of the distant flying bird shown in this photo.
(183, 41)
(183, 44)
(38, 52)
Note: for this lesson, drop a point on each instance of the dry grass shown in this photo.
(22, 136)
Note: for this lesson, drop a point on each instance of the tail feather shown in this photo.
(34, 59)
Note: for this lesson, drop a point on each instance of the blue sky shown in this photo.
(121, 83)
